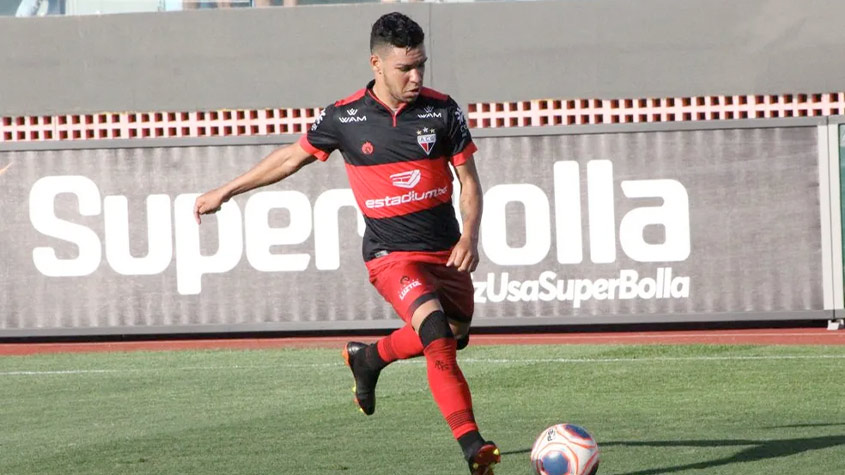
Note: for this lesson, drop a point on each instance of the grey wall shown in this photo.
(310, 56)
(639, 48)
(9, 7)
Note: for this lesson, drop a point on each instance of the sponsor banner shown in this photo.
(684, 222)
(678, 223)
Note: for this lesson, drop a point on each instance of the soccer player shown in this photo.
(397, 139)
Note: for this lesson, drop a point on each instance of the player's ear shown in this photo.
(376, 64)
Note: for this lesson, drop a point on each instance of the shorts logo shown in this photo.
(407, 286)
(367, 148)
(406, 179)
(426, 138)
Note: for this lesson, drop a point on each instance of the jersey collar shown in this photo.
(372, 95)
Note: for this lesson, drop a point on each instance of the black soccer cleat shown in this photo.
(365, 377)
(482, 461)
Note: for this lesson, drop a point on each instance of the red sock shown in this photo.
(402, 344)
(448, 386)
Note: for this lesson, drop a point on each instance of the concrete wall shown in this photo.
(310, 56)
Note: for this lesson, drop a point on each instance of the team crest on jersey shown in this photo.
(426, 138)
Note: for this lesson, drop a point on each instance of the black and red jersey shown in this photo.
(398, 166)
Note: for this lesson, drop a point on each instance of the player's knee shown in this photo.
(434, 327)
(463, 341)
(460, 329)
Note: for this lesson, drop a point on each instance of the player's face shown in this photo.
(401, 71)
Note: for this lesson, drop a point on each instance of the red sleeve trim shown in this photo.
(306, 145)
(426, 92)
(464, 155)
(352, 98)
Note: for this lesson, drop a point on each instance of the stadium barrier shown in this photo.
(583, 224)
(679, 53)
(533, 113)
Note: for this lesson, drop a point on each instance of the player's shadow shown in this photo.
(757, 450)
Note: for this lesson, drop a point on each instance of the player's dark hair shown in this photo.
(396, 29)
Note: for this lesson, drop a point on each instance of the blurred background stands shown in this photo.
(23, 8)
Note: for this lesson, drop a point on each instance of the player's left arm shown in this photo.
(465, 253)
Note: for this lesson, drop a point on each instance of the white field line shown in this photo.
(657, 336)
(422, 362)
(655, 358)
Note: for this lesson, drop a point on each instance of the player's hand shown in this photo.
(464, 255)
(209, 202)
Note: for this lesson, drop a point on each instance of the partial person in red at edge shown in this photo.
(398, 139)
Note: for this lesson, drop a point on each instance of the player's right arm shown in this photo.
(278, 165)
(321, 139)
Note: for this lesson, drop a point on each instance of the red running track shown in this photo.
(780, 336)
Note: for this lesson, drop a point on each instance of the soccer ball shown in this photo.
(565, 449)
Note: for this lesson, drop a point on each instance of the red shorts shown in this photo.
(408, 279)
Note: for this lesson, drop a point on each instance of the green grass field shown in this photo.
(653, 410)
